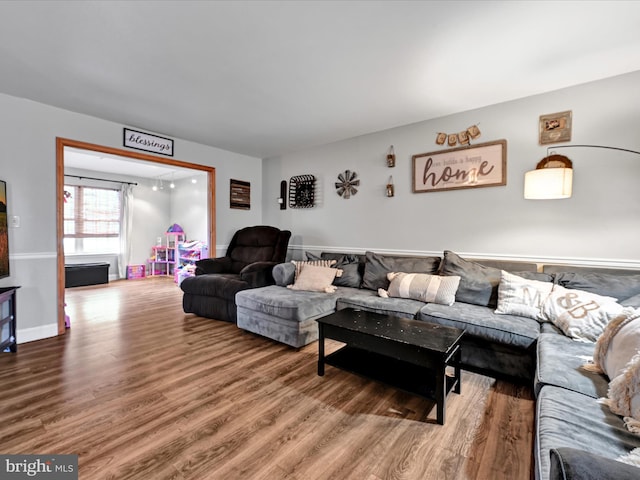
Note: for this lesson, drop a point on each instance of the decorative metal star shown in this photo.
(347, 184)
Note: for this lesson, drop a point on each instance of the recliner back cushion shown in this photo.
(257, 244)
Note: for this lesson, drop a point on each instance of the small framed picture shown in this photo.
(555, 127)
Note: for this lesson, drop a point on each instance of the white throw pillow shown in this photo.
(316, 279)
(519, 296)
(580, 315)
(422, 286)
(619, 342)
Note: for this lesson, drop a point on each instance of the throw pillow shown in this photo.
(580, 315)
(519, 296)
(478, 283)
(317, 263)
(623, 396)
(617, 355)
(377, 266)
(619, 341)
(620, 286)
(422, 286)
(315, 279)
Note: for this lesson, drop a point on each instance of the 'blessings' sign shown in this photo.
(148, 142)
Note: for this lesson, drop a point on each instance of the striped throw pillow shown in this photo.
(422, 286)
(315, 263)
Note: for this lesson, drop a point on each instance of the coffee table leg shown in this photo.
(320, 350)
(458, 378)
(441, 392)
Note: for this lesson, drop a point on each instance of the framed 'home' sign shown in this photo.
(481, 165)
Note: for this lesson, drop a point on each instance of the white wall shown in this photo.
(599, 224)
(189, 207)
(28, 132)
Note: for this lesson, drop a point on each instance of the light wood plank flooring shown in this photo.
(139, 390)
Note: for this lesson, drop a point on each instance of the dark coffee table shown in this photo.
(408, 354)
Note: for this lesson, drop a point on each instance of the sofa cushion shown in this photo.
(422, 286)
(522, 296)
(377, 266)
(607, 284)
(351, 265)
(568, 419)
(368, 300)
(576, 464)
(559, 362)
(580, 315)
(290, 304)
(478, 282)
(482, 322)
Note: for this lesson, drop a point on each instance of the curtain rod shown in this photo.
(100, 179)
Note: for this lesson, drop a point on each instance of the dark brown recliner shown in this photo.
(249, 262)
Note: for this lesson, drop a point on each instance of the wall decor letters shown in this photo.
(463, 138)
(482, 165)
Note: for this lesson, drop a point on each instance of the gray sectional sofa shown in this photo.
(572, 428)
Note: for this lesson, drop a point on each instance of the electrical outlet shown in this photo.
(14, 221)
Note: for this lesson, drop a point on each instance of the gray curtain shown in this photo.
(126, 224)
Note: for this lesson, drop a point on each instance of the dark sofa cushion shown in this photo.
(377, 266)
(607, 284)
(566, 419)
(574, 464)
(479, 283)
(351, 265)
(559, 362)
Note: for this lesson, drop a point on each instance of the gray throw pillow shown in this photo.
(377, 266)
(348, 263)
(607, 284)
(478, 284)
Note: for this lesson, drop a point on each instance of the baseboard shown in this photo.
(37, 333)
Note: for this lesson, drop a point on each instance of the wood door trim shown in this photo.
(61, 143)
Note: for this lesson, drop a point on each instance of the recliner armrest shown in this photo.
(213, 265)
(574, 464)
(258, 274)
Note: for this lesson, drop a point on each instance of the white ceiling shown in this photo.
(106, 163)
(269, 77)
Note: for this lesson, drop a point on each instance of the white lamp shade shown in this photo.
(548, 183)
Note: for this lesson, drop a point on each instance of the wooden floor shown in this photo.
(139, 390)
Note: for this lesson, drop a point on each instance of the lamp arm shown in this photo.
(593, 146)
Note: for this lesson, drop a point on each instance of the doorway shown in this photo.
(61, 145)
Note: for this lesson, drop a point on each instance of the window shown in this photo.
(91, 220)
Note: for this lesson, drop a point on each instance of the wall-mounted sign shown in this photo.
(148, 142)
(240, 194)
(483, 165)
